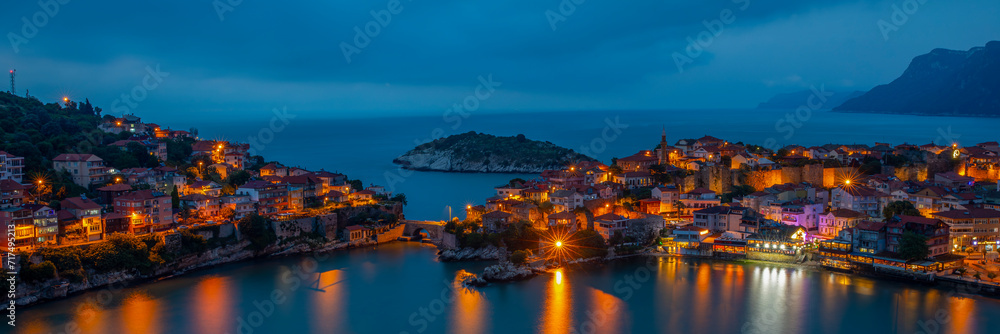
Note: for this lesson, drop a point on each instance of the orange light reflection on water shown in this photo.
(470, 313)
(212, 304)
(329, 303)
(557, 317)
(140, 313)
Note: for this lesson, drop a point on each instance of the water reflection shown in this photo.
(328, 294)
(140, 313)
(212, 304)
(471, 311)
(557, 316)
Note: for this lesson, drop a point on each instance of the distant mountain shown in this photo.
(943, 82)
(800, 98)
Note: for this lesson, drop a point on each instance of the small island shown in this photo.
(484, 153)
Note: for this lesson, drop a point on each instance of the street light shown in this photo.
(559, 244)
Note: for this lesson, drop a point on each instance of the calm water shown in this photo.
(399, 288)
(364, 148)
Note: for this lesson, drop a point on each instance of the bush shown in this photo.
(589, 244)
(74, 276)
(192, 243)
(258, 230)
(38, 272)
(519, 257)
(120, 252)
(65, 258)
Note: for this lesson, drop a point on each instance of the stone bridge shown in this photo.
(434, 230)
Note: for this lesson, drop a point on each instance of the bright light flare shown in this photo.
(558, 243)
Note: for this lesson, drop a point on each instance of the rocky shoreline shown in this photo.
(471, 254)
(443, 162)
(55, 289)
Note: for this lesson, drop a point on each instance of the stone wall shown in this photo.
(983, 174)
(916, 172)
(834, 176)
(771, 257)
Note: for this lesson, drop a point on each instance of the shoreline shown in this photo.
(425, 169)
(981, 288)
(134, 279)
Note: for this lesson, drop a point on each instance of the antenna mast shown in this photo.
(13, 90)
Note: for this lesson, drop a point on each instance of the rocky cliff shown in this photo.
(942, 82)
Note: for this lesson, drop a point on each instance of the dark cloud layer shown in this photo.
(604, 54)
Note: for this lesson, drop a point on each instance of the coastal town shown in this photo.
(904, 210)
(136, 200)
(918, 212)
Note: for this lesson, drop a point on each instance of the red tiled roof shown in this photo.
(609, 217)
(140, 195)
(496, 215)
(847, 213)
(75, 157)
(116, 187)
(972, 213)
(870, 226)
(918, 220)
(79, 204)
(563, 215)
(8, 184)
(856, 190)
(699, 191)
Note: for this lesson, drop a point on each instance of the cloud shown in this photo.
(605, 54)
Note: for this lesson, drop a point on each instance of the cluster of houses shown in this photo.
(778, 221)
(140, 201)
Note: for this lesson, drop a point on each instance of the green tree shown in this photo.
(401, 198)
(904, 208)
(39, 272)
(356, 184)
(587, 244)
(258, 230)
(519, 257)
(913, 246)
(614, 169)
(175, 199)
(238, 178)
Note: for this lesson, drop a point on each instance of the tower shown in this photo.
(663, 147)
(13, 90)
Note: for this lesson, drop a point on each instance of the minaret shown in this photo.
(663, 147)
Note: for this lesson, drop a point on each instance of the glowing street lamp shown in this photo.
(847, 182)
(559, 244)
(65, 99)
